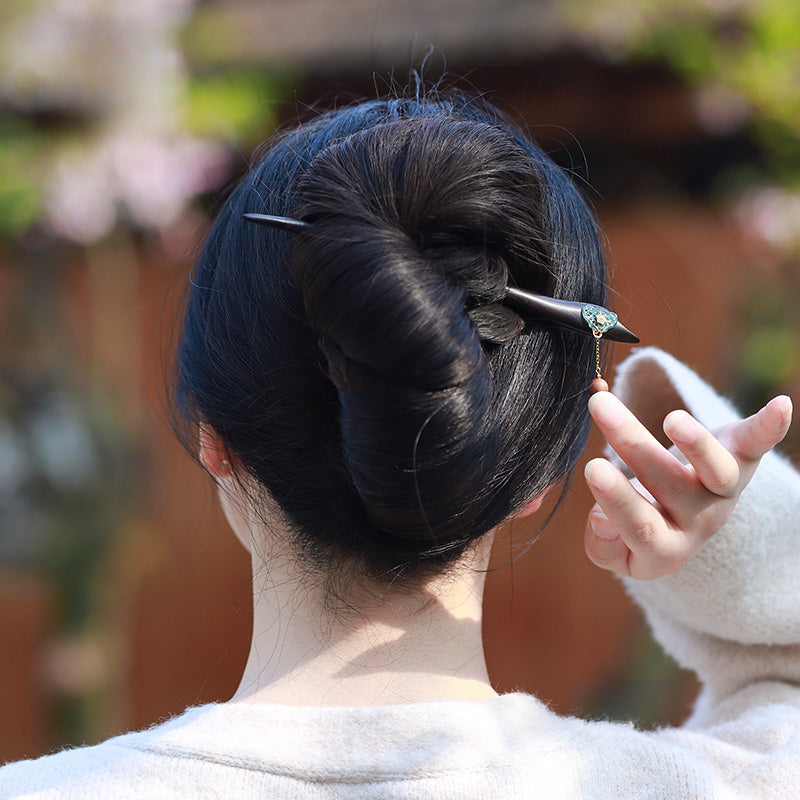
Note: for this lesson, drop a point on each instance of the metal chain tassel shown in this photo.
(598, 384)
(599, 320)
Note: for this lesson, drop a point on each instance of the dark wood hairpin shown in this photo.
(586, 318)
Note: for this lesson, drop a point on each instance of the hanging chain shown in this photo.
(597, 337)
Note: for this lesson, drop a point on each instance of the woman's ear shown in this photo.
(214, 456)
(532, 507)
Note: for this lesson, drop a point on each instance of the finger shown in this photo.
(714, 466)
(604, 546)
(752, 437)
(655, 547)
(669, 481)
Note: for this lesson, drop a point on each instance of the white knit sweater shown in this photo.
(732, 614)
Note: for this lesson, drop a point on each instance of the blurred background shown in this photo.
(123, 597)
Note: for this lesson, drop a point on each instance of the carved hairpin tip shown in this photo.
(281, 223)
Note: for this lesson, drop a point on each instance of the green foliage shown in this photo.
(649, 692)
(44, 123)
(771, 355)
(20, 191)
(752, 49)
(687, 44)
(230, 107)
(72, 483)
(209, 37)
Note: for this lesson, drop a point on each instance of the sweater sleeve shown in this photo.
(732, 614)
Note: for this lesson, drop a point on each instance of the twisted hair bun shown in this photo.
(385, 398)
(412, 223)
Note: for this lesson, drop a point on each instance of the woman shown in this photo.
(372, 404)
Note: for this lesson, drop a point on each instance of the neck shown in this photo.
(399, 646)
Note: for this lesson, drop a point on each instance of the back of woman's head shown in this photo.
(364, 373)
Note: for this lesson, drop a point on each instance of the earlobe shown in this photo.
(214, 456)
(532, 507)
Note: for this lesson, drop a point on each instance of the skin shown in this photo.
(652, 525)
(388, 646)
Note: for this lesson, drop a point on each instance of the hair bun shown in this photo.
(401, 276)
(434, 420)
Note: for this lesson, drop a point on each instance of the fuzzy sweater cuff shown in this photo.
(732, 614)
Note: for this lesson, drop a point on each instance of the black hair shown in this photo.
(364, 373)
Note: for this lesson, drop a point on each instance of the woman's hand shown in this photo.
(651, 525)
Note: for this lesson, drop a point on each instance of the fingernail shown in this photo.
(600, 474)
(785, 407)
(606, 409)
(601, 527)
(683, 429)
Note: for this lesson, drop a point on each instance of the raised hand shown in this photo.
(651, 525)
